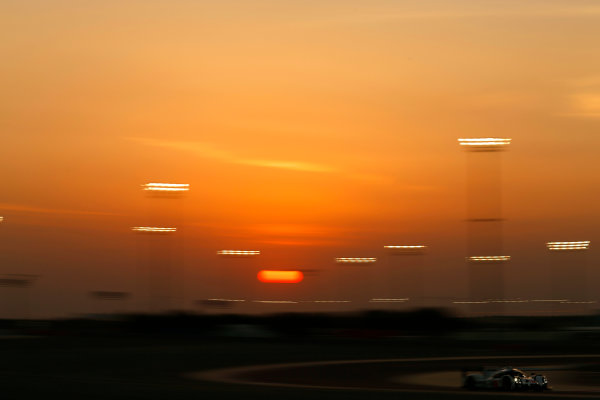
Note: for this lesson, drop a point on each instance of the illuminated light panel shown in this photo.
(240, 253)
(389, 300)
(332, 301)
(509, 301)
(363, 260)
(488, 258)
(405, 247)
(549, 300)
(565, 246)
(153, 229)
(166, 187)
(1, 219)
(271, 276)
(408, 249)
(484, 142)
(275, 301)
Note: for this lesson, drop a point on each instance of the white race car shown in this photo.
(504, 378)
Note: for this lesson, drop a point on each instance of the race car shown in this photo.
(503, 378)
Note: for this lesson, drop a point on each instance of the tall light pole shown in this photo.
(354, 281)
(116, 298)
(236, 277)
(154, 270)
(162, 264)
(403, 281)
(569, 276)
(485, 259)
(16, 291)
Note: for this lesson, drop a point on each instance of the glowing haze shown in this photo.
(306, 130)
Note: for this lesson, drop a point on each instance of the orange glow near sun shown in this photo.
(268, 276)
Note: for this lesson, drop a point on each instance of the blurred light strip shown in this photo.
(332, 301)
(562, 246)
(271, 276)
(227, 300)
(577, 302)
(238, 252)
(275, 301)
(355, 260)
(166, 187)
(488, 258)
(484, 142)
(152, 229)
(470, 302)
(549, 300)
(389, 300)
(508, 301)
(407, 249)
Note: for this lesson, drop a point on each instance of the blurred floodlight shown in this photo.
(403, 300)
(166, 187)
(1, 219)
(484, 144)
(488, 258)
(408, 249)
(549, 300)
(355, 260)
(238, 253)
(568, 246)
(271, 276)
(152, 229)
(508, 301)
(332, 301)
(470, 302)
(275, 301)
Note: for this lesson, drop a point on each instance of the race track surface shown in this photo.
(426, 375)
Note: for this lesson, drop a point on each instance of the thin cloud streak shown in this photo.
(41, 210)
(208, 151)
(540, 11)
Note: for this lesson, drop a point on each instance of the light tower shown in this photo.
(485, 259)
(116, 299)
(236, 277)
(163, 258)
(402, 282)
(354, 281)
(568, 271)
(15, 293)
(155, 277)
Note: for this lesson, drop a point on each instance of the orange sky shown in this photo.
(307, 129)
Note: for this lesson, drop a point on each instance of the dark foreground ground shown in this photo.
(142, 365)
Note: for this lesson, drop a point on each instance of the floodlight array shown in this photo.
(153, 229)
(239, 253)
(403, 300)
(355, 260)
(568, 246)
(488, 258)
(484, 144)
(166, 187)
(405, 249)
